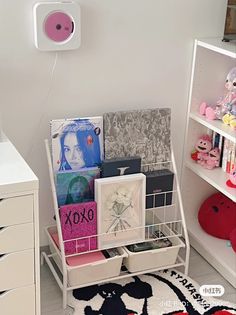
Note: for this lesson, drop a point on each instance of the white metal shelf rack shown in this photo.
(212, 59)
(170, 217)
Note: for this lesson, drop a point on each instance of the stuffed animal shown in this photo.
(212, 160)
(202, 148)
(217, 217)
(231, 182)
(230, 117)
(224, 106)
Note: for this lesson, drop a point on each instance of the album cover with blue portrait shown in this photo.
(76, 186)
(76, 143)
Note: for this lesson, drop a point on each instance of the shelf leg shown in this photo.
(42, 259)
(64, 298)
(186, 268)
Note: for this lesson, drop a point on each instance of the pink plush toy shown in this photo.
(202, 148)
(213, 159)
(231, 182)
(225, 104)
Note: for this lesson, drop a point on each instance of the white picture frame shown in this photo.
(121, 210)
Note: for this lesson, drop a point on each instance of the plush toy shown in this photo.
(212, 160)
(224, 106)
(230, 117)
(202, 148)
(231, 182)
(217, 217)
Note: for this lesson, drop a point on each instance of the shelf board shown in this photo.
(214, 250)
(215, 125)
(216, 177)
(217, 45)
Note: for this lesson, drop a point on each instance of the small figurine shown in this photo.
(226, 106)
(213, 159)
(230, 118)
(202, 148)
(231, 182)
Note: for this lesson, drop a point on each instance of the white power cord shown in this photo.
(43, 102)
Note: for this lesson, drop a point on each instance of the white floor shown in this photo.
(200, 271)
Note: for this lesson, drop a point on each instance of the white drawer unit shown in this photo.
(19, 301)
(16, 237)
(19, 237)
(10, 210)
(21, 266)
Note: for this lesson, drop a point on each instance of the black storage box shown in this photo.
(121, 166)
(157, 182)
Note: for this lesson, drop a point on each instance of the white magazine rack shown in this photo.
(168, 219)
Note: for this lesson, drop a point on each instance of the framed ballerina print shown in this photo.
(121, 209)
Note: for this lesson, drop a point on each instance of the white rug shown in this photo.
(168, 292)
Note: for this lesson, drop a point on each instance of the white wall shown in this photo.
(134, 54)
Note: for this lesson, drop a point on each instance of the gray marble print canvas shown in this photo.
(144, 133)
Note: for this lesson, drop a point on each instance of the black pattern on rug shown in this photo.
(168, 292)
(111, 293)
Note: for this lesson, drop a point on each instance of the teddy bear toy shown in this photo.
(217, 217)
(225, 108)
(202, 148)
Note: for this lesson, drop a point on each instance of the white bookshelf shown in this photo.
(217, 45)
(215, 125)
(211, 248)
(217, 178)
(212, 60)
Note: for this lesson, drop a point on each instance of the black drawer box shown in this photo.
(121, 166)
(157, 182)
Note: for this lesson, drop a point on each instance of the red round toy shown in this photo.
(217, 217)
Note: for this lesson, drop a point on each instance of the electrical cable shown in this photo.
(43, 102)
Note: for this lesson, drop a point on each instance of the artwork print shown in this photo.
(76, 186)
(144, 133)
(78, 221)
(121, 208)
(76, 143)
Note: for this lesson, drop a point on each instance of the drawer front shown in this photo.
(18, 301)
(16, 270)
(16, 210)
(16, 237)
